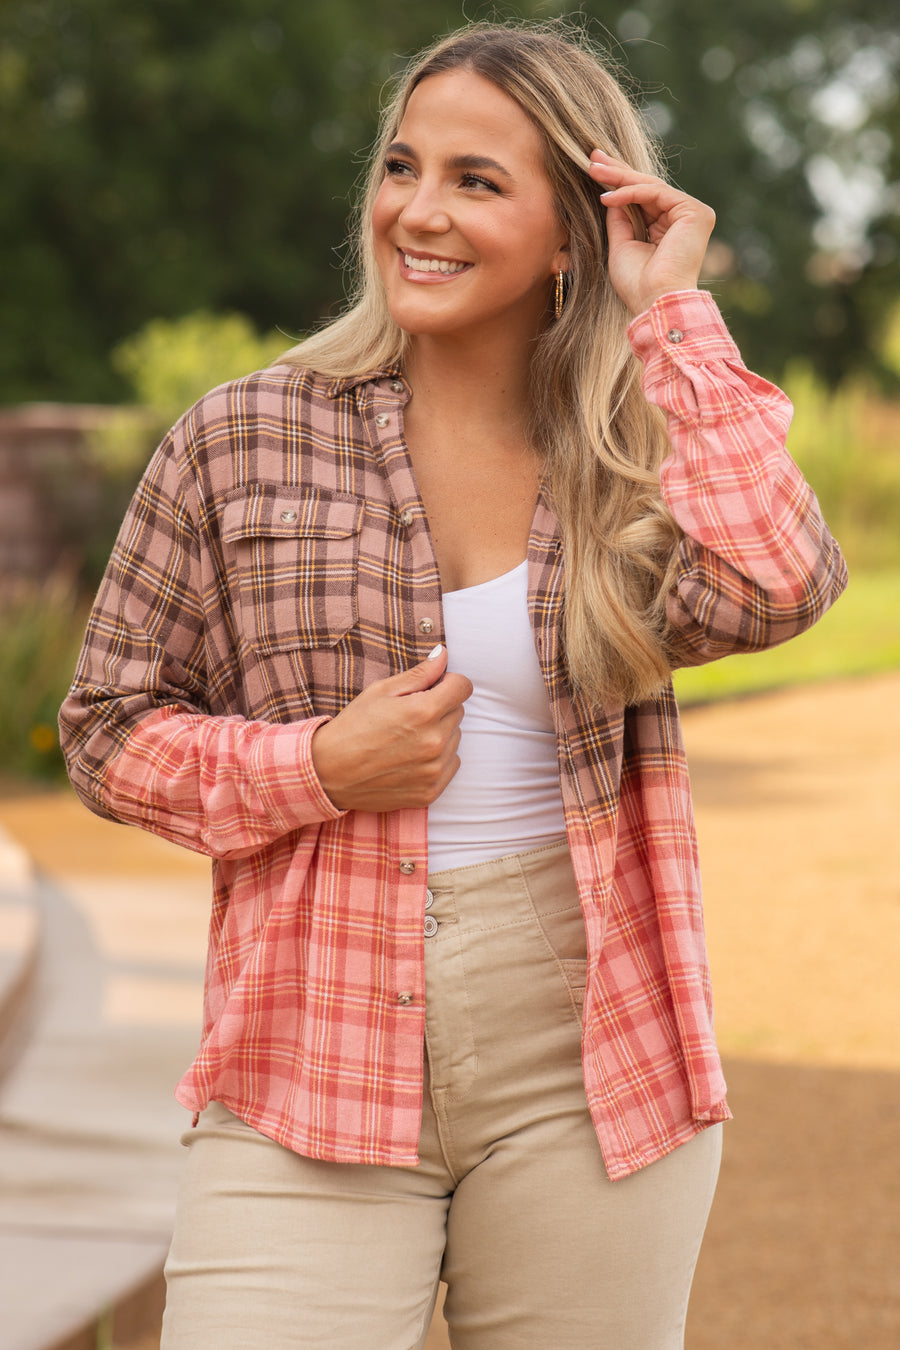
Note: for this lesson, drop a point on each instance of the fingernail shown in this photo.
(435, 651)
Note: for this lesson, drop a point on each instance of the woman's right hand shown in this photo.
(395, 744)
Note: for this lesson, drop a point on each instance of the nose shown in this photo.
(424, 211)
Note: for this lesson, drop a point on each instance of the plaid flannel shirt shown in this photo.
(275, 560)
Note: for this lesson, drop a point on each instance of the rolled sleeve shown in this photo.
(757, 564)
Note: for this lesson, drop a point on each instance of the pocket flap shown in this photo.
(283, 513)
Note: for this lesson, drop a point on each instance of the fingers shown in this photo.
(394, 745)
(449, 691)
(612, 174)
(605, 168)
(422, 676)
(626, 187)
(657, 234)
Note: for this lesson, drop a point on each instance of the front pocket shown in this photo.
(295, 560)
(575, 974)
(564, 934)
(553, 896)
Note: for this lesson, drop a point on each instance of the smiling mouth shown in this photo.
(443, 266)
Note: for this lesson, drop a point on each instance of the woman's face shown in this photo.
(466, 235)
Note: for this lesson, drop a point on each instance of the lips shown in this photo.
(432, 264)
(428, 267)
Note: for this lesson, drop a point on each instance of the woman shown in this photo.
(457, 498)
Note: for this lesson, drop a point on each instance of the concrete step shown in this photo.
(99, 1008)
(19, 942)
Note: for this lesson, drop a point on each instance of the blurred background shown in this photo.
(176, 185)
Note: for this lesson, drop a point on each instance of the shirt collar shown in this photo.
(346, 382)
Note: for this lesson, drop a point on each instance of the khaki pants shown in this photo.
(510, 1205)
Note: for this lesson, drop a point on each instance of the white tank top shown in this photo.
(506, 796)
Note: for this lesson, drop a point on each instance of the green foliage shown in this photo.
(160, 158)
(859, 636)
(847, 442)
(42, 632)
(170, 363)
(785, 117)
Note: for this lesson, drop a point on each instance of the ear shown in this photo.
(562, 260)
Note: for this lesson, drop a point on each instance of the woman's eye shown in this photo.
(396, 167)
(474, 180)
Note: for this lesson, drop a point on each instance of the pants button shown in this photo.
(431, 925)
(429, 899)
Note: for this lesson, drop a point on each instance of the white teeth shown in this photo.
(432, 264)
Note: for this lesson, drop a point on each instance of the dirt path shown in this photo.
(798, 806)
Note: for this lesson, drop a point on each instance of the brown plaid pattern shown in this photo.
(275, 560)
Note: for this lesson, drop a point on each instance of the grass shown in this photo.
(847, 442)
(859, 636)
(42, 630)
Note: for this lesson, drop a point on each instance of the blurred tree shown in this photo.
(785, 116)
(159, 158)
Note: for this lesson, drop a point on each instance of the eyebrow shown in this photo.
(457, 161)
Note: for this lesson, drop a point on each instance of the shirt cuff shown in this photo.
(287, 778)
(685, 326)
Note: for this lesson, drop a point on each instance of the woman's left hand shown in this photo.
(678, 229)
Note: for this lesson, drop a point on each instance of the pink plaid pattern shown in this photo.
(275, 560)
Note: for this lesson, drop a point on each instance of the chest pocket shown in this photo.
(295, 557)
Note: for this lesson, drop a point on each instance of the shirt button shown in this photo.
(382, 420)
(406, 518)
(405, 998)
(431, 925)
(288, 516)
(407, 867)
(426, 625)
(675, 335)
(397, 386)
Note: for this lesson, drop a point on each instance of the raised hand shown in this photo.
(678, 230)
(395, 744)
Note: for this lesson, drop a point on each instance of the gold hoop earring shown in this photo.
(559, 297)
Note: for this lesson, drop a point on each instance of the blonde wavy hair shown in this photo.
(601, 441)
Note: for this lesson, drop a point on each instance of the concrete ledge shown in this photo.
(19, 946)
(80, 1259)
(104, 1288)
